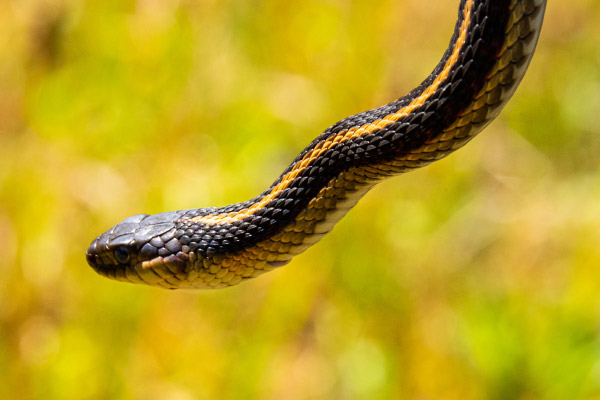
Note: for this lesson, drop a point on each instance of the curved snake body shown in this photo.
(489, 52)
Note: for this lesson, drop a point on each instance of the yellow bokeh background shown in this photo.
(477, 277)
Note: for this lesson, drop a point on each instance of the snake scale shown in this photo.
(489, 52)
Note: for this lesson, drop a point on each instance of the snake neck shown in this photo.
(341, 164)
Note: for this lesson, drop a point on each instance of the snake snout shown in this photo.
(90, 255)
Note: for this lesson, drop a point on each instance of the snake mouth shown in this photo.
(166, 272)
(107, 270)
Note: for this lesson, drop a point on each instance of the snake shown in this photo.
(215, 247)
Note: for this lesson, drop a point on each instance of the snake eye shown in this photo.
(122, 255)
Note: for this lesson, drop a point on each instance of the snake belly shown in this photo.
(489, 52)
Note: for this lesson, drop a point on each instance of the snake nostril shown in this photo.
(91, 258)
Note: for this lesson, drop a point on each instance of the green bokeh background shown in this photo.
(475, 278)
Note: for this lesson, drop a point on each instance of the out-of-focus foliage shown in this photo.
(475, 278)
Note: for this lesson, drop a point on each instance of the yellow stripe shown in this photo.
(349, 134)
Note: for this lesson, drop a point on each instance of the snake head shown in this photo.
(140, 249)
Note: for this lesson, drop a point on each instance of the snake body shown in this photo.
(489, 52)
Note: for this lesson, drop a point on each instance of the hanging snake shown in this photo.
(489, 52)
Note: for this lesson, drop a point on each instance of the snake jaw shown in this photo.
(167, 271)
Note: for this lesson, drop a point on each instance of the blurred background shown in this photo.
(477, 277)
